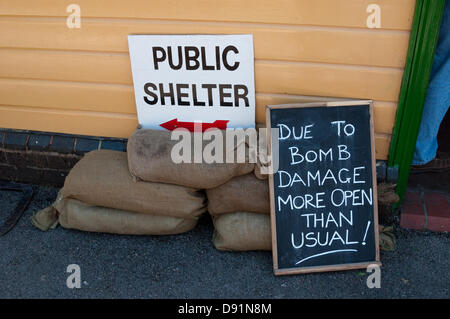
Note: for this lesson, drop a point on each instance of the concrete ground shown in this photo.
(33, 265)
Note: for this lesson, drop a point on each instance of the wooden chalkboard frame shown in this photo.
(349, 266)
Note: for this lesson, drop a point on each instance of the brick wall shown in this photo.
(46, 158)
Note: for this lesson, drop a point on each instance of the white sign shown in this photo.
(183, 79)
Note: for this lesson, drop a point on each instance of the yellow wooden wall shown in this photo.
(79, 81)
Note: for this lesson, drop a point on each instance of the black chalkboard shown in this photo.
(323, 195)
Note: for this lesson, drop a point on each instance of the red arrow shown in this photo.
(190, 126)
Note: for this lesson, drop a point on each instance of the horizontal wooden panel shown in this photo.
(328, 80)
(107, 98)
(384, 112)
(70, 122)
(382, 144)
(395, 14)
(66, 66)
(68, 95)
(308, 44)
(120, 99)
(270, 76)
(98, 124)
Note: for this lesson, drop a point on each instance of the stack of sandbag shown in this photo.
(101, 195)
(240, 210)
(147, 191)
(238, 201)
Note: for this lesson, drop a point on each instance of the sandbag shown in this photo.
(45, 219)
(101, 178)
(258, 172)
(77, 215)
(243, 193)
(387, 238)
(260, 167)
(242, 231)
(73, 214)
(149, 159)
